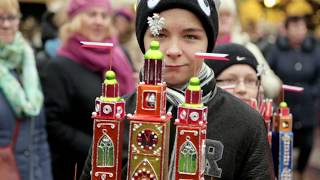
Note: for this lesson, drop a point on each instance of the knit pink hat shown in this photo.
(77, 6)
(125, 12)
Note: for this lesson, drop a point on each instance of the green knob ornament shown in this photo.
(154, 51)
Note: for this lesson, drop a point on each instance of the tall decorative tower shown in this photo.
(282, 143)
(108, 131)
(191, 128)
(150, 126)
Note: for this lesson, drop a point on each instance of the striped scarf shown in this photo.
(207, 83)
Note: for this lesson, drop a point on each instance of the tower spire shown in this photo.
(153, 64)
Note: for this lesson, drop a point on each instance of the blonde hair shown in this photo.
(10, 5)
(74, 26)
(228, 5)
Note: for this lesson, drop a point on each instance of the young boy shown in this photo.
(239, 76)
(235, 131)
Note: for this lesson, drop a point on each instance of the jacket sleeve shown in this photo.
(58, 93)
(258, 162)
(86, 175)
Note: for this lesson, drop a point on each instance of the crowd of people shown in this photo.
(47, 95)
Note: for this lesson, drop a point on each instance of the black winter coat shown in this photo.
(299, 67)
(70, 90)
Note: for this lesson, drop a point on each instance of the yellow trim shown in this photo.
(108, 99)
(192, 105)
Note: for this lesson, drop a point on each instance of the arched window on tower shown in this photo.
(188, 158)
(105, 152)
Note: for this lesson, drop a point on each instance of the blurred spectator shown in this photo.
(51, 21)
(21, 98)
(31, 31)
(230, 31)
(268, 36)
(295, 59)
(73, 80)
(124, 20)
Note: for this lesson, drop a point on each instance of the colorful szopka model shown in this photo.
(282, 142)
(191, 134)
(150, 125)
(108, 127)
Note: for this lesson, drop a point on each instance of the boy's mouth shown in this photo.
(174, 65)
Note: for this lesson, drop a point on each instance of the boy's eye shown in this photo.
(190, 37)
(230, 81)
(251, 82)
(162, 35)
(227, 81)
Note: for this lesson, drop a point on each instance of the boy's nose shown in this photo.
(240, 88)
(173, 51)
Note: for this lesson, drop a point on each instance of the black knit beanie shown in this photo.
(205, 10)
(237, 54)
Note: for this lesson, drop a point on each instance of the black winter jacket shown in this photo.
(235, 131)
(299, 67)
(70, 90)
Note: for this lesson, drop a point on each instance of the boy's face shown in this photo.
(181, 37)
(243, 78)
